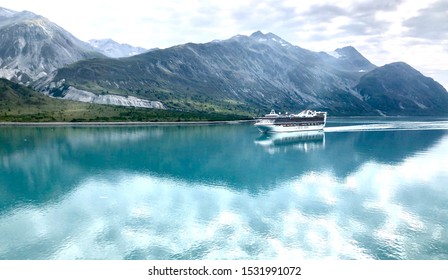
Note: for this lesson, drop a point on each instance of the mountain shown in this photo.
(110, 48)
(244, 73)
(398, 87)
(251, 74)
(350, 59)
(31, 46)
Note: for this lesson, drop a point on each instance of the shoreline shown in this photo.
(186, 123)
(5, 124)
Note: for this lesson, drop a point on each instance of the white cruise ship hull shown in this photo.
(271, 128)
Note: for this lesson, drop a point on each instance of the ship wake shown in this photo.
(437, 125)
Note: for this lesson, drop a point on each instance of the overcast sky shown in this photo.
(384, 31)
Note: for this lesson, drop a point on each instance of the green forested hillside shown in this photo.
(22, 104)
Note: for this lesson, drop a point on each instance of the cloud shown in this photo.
(358, 18)
(440, 76)
(431, 23)
(270, 16)
(376, 6)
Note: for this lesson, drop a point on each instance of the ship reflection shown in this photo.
(305, 141)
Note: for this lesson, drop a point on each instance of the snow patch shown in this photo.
(21, 42)
(356, 94)
(41, 75)
(420, 105)
(334, 54)
(381, 113)
(8, 73)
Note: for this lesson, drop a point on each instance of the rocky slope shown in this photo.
(397, 87)
(31, 46)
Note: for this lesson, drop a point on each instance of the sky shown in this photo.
(384, 31)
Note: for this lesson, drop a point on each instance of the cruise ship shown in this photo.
(303, 121)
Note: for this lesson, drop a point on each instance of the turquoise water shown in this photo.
(364, 189)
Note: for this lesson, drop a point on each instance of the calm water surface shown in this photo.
(364, 189)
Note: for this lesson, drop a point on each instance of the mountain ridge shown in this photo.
(111, 48)
(244, 73)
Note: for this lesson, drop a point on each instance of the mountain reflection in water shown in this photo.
(223, 192)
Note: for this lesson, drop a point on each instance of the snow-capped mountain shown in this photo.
(113, 49)
(31, 46)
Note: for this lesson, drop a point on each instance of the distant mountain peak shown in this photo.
(114, 49)
(347, 48)
(348, 51)
(257, 34)
(268, 37)
(351, 56)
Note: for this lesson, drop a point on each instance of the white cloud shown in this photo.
(314, 216)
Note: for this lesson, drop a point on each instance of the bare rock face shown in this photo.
(31, 46)
(85, 96)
